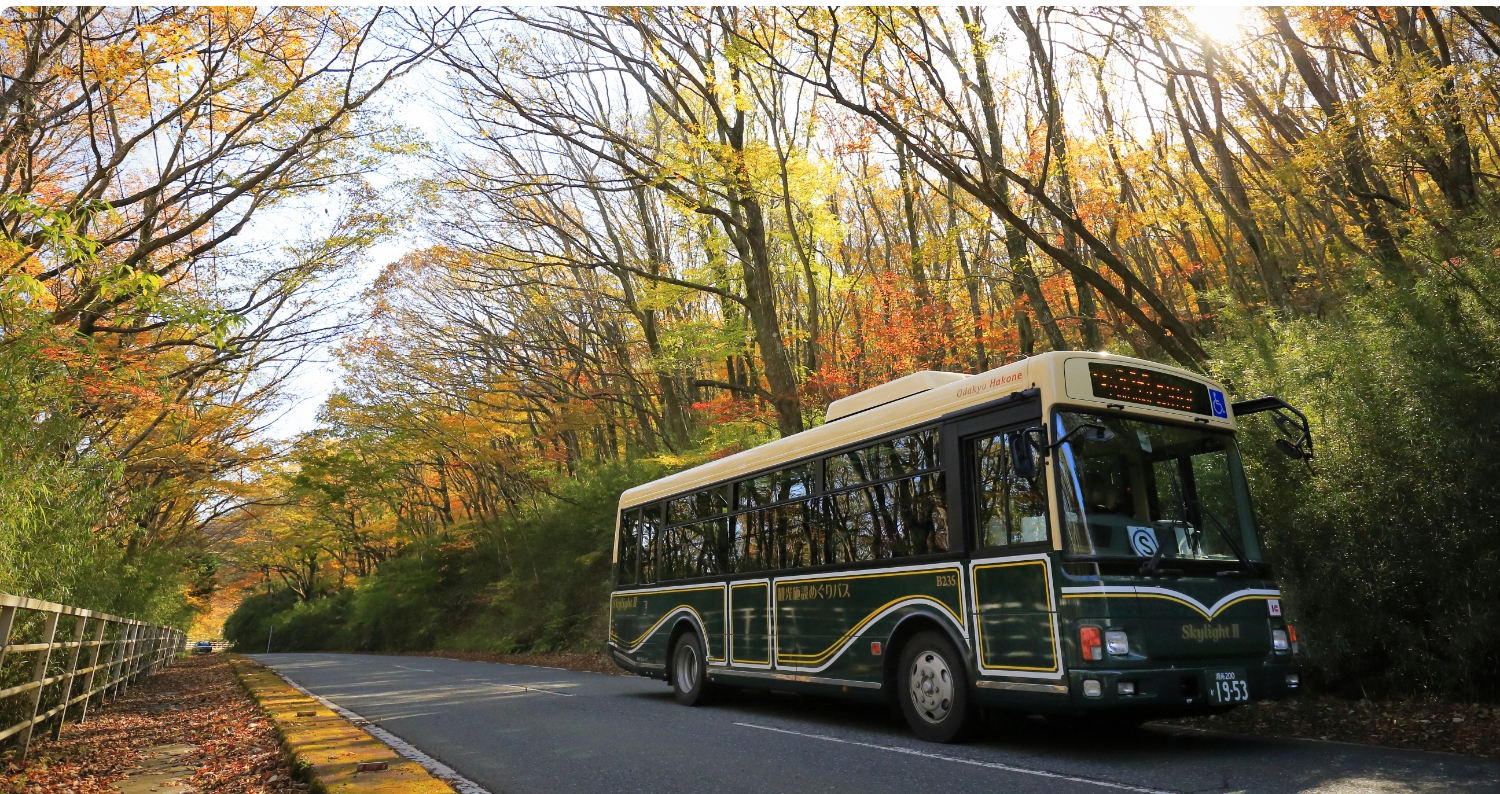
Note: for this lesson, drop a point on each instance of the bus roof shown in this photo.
(1044, 372)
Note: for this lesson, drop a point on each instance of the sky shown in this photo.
(314, 380)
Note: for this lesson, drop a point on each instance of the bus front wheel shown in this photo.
(689, 671)
(933, 688)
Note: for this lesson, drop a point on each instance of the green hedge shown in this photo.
(1389, 546)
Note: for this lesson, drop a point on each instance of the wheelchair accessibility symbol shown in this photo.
(1216, 402)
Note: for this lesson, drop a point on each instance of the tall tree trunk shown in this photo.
(1057, 153)
(994, 161)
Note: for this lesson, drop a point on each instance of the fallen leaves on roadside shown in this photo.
(1470, 729)
(197, 701)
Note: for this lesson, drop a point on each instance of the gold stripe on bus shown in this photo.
(935, 569)
(634, 593)
(670, 613)
(1174, 599)
(814, 658)
(631, 646)
(1051, 622)
(730, 650)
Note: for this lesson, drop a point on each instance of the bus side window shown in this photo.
(1008, 508)
(672, 558)
(927, 532)
(882, 505)
(921, 512)
(799, 534)
(852, 527)
(649, 526)
(774, 487)
(699, 506)
(750, 549)
(702, 548)
(629, 548)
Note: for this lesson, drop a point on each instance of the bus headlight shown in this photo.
(1118, 642)
(1279, 640)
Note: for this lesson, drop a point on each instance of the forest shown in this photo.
(639, 239)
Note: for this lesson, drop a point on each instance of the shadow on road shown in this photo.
(1301, 765)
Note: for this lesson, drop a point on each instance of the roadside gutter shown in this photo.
(334, 755)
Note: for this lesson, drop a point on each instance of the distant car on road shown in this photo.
(203, 646)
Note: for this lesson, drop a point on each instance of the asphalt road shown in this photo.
(516, 730)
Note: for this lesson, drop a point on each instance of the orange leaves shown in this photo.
(725, 408)
(896, 333)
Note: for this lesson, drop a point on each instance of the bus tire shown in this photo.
(689, 670)
(932, 686)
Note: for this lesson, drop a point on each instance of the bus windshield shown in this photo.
(1153, 490)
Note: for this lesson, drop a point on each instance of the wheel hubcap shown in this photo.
(931, 687)
(687, 668)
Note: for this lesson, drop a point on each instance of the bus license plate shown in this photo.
(1228, 686)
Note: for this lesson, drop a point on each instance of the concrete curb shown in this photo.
(328, 749)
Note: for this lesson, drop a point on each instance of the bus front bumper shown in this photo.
(630, 664)
(1182, 690)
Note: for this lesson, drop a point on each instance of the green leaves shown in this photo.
(1387, 548)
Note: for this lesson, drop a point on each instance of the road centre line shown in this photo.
(957, 760)
(512, 687)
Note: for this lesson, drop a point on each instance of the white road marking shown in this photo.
(510, 687)
(524, 688)
(436, 768)
(955, 759)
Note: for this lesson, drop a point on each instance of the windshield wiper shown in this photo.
(1148, 568)
(1203, 512)
(1152, 567)
(1229, 539)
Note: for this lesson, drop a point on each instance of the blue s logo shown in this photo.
(1216, 400)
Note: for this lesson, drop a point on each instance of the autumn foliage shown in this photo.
(142, 345)
(642, 238)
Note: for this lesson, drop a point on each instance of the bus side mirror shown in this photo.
(1290, 449)
(1094, 434)
(1022, 456)
(1289, 421)
(1097, 434)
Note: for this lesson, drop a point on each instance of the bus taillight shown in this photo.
(1090, 642)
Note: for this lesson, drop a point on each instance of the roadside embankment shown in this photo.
(189, 727)
(333, 754)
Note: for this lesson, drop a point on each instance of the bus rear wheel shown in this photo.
(689, 671)
(933, 688)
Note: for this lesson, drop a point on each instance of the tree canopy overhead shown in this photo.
(644, 237)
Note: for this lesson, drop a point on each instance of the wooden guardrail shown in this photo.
(115, 652)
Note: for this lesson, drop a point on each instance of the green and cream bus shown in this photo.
(1071, 534)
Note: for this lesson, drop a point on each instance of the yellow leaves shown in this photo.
(21, 288)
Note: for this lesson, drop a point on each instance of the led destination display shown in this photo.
(1148, 387)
